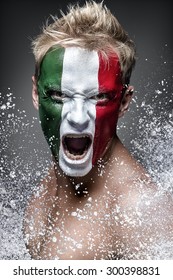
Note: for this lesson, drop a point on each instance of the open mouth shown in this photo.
(76, 146)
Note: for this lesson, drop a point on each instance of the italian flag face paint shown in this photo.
(79, 97)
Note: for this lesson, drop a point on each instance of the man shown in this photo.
(97, 202)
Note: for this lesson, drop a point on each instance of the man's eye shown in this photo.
(101, 96)
(55, 94)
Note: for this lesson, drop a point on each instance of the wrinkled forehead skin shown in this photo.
(52, 64)
(83, 74)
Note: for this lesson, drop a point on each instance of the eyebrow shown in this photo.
(52, 86)
(104, 90)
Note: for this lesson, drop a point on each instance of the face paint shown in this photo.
(107, 107)
(79, 98)
(49, 84)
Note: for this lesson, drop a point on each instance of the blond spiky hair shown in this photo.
(92, 27)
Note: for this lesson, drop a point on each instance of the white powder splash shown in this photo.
(18, 178)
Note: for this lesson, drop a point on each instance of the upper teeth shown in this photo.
(76, 136)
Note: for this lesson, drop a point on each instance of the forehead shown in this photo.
(79, 69)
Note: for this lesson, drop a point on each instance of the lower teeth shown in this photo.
(73, 156)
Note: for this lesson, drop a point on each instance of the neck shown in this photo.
(76, 186)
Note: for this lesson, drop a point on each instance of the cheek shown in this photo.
(106, 119)
(50, 117)
(105, 127)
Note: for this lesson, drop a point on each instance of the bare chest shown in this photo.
(79, 233)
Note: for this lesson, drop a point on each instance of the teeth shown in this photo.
(75, 157)
(77, 136)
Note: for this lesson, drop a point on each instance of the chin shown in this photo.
(74, 171)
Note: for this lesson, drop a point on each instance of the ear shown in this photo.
(35, 93)
(126, 101)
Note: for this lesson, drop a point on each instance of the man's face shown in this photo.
(79, 99)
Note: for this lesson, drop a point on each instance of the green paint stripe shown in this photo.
(50, 112)
(51, 68)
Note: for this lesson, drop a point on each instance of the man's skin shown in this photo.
(113, 211)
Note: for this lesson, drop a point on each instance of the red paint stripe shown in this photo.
(109, 78)
(109, 73)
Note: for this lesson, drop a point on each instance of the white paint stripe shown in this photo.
(79, 82)
(80, 70)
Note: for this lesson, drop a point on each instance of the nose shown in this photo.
(78, 115)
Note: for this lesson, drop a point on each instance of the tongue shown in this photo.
(76, 145)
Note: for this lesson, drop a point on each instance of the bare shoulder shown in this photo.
(146, 220)
(36, 214)
(143, 213)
